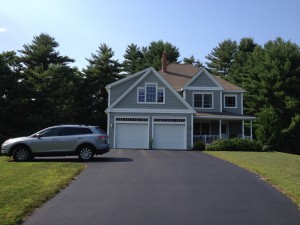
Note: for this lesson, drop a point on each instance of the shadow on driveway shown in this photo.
(77, 160)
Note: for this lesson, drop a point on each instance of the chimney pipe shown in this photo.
(164, 62)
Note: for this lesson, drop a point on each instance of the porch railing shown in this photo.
(206, 138)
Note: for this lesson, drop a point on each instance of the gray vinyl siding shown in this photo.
(203, 81)
(239, 105)
(130, 100)
(150, 116)
(118, 90)
(216, 100)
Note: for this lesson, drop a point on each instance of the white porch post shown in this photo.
(220, 129)
(251, 135)
(243, 129)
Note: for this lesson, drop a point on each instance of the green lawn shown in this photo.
(280, 169)
(25, 186)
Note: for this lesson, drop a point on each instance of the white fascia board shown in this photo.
(226, 117)
(204, 89)
(128, 77)
(234, 91)
(219, 86)
(167, 111)
(147, 71)
(173, 90)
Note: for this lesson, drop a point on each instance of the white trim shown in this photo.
(220, 129)
(204, 89)
(128, 77)
(230, 95)
(144, 110)
(147, 72)
(221, 101)
(209, 76)
(192, 131)
(226, 117)
(242, 103)
(236, 91)
(108, 123)
(203, 93)
(130, 122)
(171, 117)
(108, 92)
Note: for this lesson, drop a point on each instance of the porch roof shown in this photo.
(222, 115)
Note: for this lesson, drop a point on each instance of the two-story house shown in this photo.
(173, 108)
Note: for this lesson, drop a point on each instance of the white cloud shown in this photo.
(2, 29)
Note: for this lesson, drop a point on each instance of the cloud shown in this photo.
(2, 29)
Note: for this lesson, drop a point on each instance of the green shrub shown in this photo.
(199, 145)
(235, 144)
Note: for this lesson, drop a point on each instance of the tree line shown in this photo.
(39, 87)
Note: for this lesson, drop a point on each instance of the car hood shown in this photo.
(15, 140)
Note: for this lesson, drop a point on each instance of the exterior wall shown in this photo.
(150, 115)
(117, 91)
(203, 81)
(238, 109)
(130, 101)
(216, 100)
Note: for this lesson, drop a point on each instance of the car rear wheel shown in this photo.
(85, 152)
(21, 154)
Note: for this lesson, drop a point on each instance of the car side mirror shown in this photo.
(38, 135)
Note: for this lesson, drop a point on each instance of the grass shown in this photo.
(25, 186)
(279, 169)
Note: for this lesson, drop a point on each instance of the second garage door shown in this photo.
(169, 136)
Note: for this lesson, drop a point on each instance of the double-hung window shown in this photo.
(151, 94)
(203, 100)
(230, 101)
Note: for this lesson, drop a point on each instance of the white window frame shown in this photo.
(145, 91)
(230, 95)
(204, 93)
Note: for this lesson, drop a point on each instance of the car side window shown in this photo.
(50, 132)
(67, 131)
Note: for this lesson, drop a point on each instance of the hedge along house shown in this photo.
(173, 108)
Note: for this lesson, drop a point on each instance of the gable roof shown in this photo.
(180, 75)
(145, 73)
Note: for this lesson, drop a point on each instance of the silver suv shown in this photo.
(61, 140)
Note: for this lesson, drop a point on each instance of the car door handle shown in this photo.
(80, 138)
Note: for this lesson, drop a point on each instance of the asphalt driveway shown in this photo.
(144, 187)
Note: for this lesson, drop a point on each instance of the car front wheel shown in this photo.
(21, 154)
(86, 152)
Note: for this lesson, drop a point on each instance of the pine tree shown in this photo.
(42, 53)
(101, 71)
(193, 61)
(153, 53)
(221, 58)
(134, 59)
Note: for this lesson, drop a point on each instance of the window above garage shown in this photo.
(151, 93)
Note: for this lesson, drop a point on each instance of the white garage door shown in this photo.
(132, 135)
(169, 136)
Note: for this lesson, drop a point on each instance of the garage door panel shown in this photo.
(132, 135)
(169, 136)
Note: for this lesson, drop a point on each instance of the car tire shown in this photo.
(85, 152)
(21, 153)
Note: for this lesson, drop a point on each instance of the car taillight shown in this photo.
(101, 137)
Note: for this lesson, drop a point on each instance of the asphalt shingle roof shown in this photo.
(178, 75)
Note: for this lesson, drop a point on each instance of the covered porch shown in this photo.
(208, 127)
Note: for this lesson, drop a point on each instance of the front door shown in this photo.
(205, 129)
